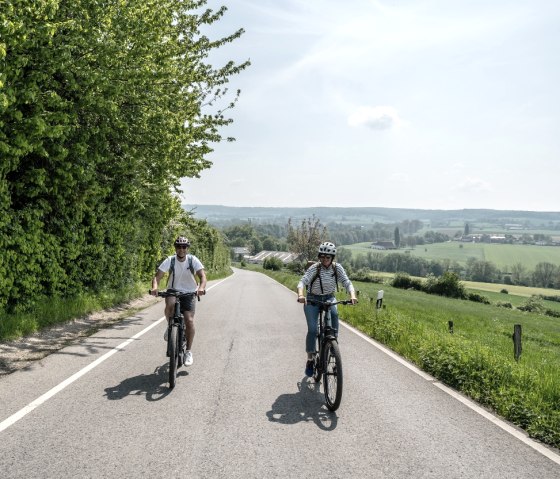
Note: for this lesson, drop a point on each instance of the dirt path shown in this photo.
(19, 354)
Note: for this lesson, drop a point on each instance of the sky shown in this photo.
(429, 104)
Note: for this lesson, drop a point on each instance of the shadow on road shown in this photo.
(154, 386)
(308, 404)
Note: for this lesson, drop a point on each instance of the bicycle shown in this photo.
(176, 338)
(327, 362)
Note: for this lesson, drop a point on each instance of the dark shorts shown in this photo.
(188, 302)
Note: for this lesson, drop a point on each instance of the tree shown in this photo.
(544, 275)
(397, 237)
(467, 229)
(104, 107)
(305, 239)
(518, 271)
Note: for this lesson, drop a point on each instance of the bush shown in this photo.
(533, 305)
(504, 290)
(504, 304)
(243, 264)
(274, 264)
(404, 281)
(478, 298)
(296, 267)
(366, 276)
(446, 285)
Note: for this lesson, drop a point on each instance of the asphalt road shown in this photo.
(244, 409)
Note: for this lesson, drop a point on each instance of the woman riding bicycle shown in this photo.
(321, 280)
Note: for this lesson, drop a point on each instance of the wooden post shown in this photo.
(517, 341)
(450, 325)
(379, 302)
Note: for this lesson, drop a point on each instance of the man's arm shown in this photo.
(202, 282)
(155, 282)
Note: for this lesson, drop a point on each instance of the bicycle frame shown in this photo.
(327, 360)
(176, 336)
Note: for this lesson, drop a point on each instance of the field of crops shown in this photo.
(502, 255)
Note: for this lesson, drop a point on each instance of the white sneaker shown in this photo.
(188, 358)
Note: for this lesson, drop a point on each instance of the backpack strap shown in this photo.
(172, 271)
(317, 276)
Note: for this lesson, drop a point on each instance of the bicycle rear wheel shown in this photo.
(332, 374)
(173, 355)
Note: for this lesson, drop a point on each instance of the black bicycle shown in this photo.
(176, 337)
(327, 363)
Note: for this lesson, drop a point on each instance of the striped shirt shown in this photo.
(327, 279)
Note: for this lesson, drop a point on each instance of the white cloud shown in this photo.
(376, 118)
(474, 185)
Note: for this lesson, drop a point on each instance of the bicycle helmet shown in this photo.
(327, 248)
(181, 240)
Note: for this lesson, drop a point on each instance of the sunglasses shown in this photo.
(181, 246)
(323, 256)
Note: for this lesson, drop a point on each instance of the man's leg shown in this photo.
(189, 327)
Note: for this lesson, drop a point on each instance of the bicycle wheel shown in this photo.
(332, 384)
(173, 355)
(317, 370)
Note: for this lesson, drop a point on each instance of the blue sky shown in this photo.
(435, 104)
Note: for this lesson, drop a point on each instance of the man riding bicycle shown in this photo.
(183, 268)
(321, 280)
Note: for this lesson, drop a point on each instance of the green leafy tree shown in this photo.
(305, 238)
(104, 107)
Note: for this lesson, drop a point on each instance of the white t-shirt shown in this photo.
(184, 280)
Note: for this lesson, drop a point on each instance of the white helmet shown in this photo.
(181, 240)
(327, 248)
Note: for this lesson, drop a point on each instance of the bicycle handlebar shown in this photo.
(330, 303)
(176, 294)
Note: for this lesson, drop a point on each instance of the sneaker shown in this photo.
(188, 359)
(166, 334)
(309, 368)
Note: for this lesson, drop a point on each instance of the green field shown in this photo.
(502, 255)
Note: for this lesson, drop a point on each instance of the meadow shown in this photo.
(502, 255)
(477, 358)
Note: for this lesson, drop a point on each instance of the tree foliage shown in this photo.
(104, 106)
(305, 238)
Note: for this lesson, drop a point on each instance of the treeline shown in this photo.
(104, 106)
(545, 275)
(273, 237)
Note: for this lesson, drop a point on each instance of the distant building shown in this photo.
(283, 256)
(383, 245)
(240, 252)
(474, 238)
(497, 238)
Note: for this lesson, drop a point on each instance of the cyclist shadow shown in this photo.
(308, 404)
(154, 386)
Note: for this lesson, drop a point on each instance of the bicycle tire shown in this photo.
(332, 384)
(173, 355)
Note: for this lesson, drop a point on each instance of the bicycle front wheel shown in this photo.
(332, 374)
(173, 355)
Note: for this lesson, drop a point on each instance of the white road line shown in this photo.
(522, 436)
(49, 394)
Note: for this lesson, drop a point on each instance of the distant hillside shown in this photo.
(220, 215)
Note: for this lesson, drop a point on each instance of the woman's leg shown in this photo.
(311, 314)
